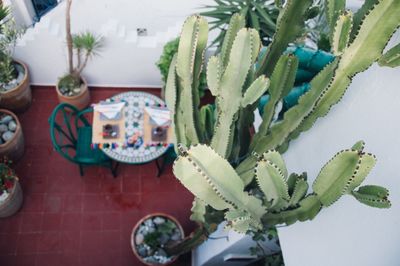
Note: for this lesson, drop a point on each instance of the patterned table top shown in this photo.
(134, 111)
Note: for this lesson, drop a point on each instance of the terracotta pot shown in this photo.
(80, 100)
(19, 98)
(14, 148)
(157, 214)
(13, 202)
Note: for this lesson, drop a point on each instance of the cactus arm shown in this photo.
(391, 58)
(359, 146)
(206, 122)
(198, 211)
(272, 183)
(212, 179)
(334, 8)
(334, 177)
(374, 196)
(277, 159)
(282, 80)
(289, 26)
(299, 192)
(359, 16)
(341, 35)
(214, 75)
(237, 22)
(366, 163)
(255, 91)
(231, 88)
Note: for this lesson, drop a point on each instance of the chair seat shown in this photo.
(84, 152)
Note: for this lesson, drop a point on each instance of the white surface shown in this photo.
(23, 11)
(349, 233)
(126, 59)
(213, 251)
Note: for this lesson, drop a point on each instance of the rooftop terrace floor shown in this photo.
(71, 220)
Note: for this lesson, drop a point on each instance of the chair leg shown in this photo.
(81, 169)
(160, 168)
(114, 168)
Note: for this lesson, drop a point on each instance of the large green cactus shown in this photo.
(251, 186)
(282, 200)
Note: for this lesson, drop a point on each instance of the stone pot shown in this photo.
(14, 148)
(80, 100)
(18, 99)
(13, 202)
(136, 228)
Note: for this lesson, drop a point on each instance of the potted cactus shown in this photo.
(72, 88)
(11, 196)
(153, 236)
(11, 136)
(242, 179)
(15, 90)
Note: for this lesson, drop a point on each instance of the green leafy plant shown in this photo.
(82, 45)
(243, 179)
(7, 177)
(258, 14)
(9, 34)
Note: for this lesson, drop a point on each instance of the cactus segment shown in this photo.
(277, 159)
(341, 35)
(198, 211)
(214, 75)
(366, 162)
(299, 192)
(206, 122)
(272, 183)
(335, 176)
(391, 58)
(255, 91)
(359, 146)
(373, 196)
(359, 16)
(334, 8)
(236, 23)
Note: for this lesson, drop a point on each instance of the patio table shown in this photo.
(135, 124)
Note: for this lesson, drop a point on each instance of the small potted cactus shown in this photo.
(11, 196)
(153, 237)
(72, 88)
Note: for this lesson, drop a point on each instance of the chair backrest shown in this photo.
(64, 123)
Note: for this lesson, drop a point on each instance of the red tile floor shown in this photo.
(69, 220)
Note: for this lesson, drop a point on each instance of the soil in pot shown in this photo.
(152, 236)
(16, 95)
(73, 91)
(11, 136)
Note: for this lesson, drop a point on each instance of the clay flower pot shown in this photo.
(14, 148)
(138, 238)
(80, 100)
(19, 98)
(13, 202)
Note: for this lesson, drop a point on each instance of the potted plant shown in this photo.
(240, 178)
(153, 236)
(11, 136)
(15, 90)
(72, 88)
(11, 196)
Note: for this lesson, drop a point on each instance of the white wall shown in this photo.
(126, 60)
(349, 233)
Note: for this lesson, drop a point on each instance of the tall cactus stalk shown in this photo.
(248, 185)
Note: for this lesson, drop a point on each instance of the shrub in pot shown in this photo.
(11, 136)
(72, 87)
(154, 236)
(11, 196)
(15, 90)
(240, 178)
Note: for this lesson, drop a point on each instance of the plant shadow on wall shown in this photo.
(242, 179)
(72, 87)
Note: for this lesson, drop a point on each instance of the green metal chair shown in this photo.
(71, 135)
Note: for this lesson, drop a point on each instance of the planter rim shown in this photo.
(135, 228)
(75, 96)
(5, 111)
(23, 80)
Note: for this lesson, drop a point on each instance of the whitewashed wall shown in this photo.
(126, 59)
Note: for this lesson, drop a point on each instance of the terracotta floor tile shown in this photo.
(71, 222)
(51, 222)
(91, 221)
(27, 243)
(8, 244)
(31, 222)
(49, 242)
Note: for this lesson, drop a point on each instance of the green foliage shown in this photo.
(7, 176)
(151, 239)
(69, 83)
(87, 43)
(391, 58)
(260, 15)
(169, 50)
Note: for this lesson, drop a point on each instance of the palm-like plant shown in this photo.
(259, 14)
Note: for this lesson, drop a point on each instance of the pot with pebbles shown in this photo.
(154, 236)
(11, 196)
(11, 136)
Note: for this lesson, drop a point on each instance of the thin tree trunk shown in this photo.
(69, 37)
(80, 69)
